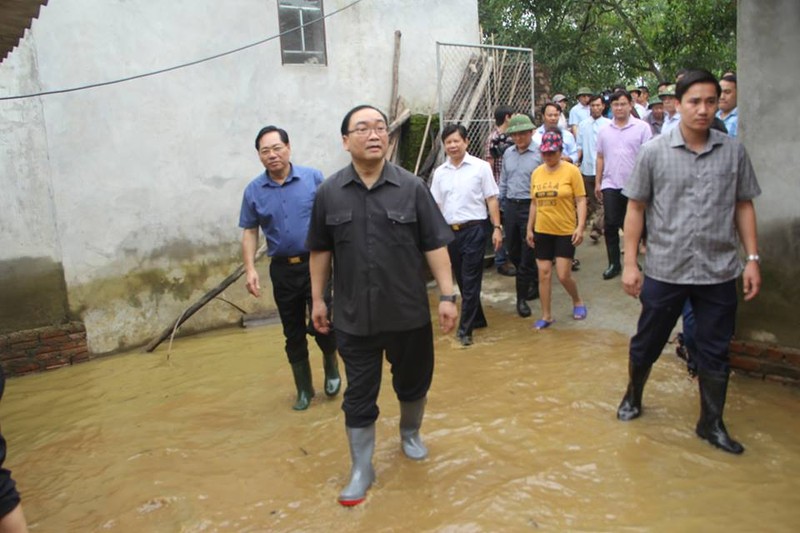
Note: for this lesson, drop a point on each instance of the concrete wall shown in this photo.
(120, 203)
(768, 78)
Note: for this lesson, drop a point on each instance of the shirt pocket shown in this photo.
(341, 226)
(402, 226)
(720, 189)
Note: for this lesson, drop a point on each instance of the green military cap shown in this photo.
(632, 88)
(584, 90)
(669, 90)
(655, 100)
(520, 123)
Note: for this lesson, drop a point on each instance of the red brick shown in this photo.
(748, 364)
(80, 358)
(782, 379)
(48, 332)
(25, 345)
(774, 354)
(22, 368)
(75, 327)
(22, 336)
(57, 365)
(81, 336)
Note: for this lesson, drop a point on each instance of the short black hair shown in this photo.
(349, 115)
(501, 113)
(681, 72)
(269, 129)
(695, 76)
(729, 77)
(550, 104)
(453, 128)
(620, 94)
(594, 97)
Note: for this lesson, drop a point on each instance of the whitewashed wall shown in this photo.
(135, 188)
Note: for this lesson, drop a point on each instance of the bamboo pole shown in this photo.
(195, 307)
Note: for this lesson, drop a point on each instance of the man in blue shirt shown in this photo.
(728, 111)
(279, 200)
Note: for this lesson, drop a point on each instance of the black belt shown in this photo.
(290, 260)
(519, 200)
(465, 225)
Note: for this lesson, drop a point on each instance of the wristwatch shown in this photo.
(754, 257)
(447, 298)
(500, 227)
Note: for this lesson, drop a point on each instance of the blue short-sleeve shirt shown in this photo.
(282, 210)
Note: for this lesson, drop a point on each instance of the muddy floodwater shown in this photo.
(521, 430)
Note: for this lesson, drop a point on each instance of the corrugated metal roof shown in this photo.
(16, 17)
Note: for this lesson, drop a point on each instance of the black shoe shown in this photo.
(522, 308)
(507, 269)
(576, 265)
(465, 340)
(612, 272)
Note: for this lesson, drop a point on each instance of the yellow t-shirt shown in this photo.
(555, 193)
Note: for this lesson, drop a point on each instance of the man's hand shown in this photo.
(448, 313)
(751, 280)
(598, 192)
(319, 316)
(497, 239)
(253, 286)
(529, 237)
(632, 280)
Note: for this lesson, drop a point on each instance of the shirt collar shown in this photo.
(715, 138)
(389, 174)
(465, 161)
(269, 182)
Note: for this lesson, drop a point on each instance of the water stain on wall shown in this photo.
(772, 316)
(34, 293)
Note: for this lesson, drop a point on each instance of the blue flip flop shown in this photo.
(542, 323)
(579, 312)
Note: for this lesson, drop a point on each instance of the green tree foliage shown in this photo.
(600, 43)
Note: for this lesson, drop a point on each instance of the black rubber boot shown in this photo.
(302, 380)
(333, 382)
(522, 291)
(411, 414)
(713, 390)
(614, 266)
(631, 405)
(533, 290)
(362, 446)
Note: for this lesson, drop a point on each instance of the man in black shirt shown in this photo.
(379, 225)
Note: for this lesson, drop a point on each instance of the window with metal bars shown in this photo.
(305, 40)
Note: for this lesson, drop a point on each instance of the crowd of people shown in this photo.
(610, 162)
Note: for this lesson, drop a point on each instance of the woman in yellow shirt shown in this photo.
(559, 200)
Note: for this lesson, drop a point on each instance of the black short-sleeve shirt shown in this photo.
(378, 237)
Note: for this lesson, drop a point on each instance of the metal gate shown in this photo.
(473, 80)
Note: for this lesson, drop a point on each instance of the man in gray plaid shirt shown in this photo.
(695, 186)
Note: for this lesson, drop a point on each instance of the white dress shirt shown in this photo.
(461, 192)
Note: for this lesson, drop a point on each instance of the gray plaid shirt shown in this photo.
(691, 201)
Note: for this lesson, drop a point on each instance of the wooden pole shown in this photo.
(192, 309)
(422, 143)
(395, 76)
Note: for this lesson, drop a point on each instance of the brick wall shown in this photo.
(36, 350)
(765, 361)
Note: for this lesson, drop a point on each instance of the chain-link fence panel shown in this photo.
(474, 80)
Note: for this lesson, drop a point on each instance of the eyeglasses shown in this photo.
(362, 130)
(267, 150)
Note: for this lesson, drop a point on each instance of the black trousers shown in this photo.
(410, 354)
(466, 255)
(715, 315)
(614, 205)
(291, 288)
(9, 497)
(516, 236)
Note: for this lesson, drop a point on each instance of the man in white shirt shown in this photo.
(671, 115)
(551, 113)
(587, 155)
(464, 189)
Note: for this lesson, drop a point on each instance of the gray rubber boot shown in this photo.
(411, 414)
(333, 382)
(362, 446)
(302, 380)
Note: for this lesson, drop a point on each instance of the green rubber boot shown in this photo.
(302, 380)
(333, 382)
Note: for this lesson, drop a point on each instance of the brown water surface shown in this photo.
(520, 427)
